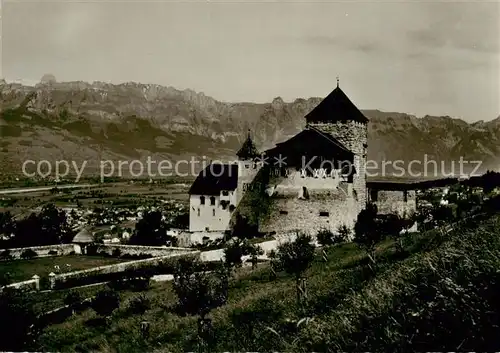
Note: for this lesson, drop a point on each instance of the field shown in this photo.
(435, 296)
(21, 270)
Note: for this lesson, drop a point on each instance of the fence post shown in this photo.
(145, 329)
(324, 255)
(52, 280)
(37, 281)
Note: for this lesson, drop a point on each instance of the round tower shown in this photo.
(337, 116)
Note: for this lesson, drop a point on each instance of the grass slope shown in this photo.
(440, 295)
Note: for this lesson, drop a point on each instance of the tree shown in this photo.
(295, 258)
(151, 230)
(7, 223)
(367, 233)
(199, 292)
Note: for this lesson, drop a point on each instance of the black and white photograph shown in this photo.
(249, 176)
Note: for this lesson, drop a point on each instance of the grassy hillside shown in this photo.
(440, 295)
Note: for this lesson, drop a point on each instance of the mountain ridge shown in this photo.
(80, 121)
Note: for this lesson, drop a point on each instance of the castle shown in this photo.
(314, 180)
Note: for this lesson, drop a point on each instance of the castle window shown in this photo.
(324, 214)
(202, 200)
(198, 212)
(225, 193)
(212, 201)
(374, 195)
(405, 196)
(213, 212)
(284, 212)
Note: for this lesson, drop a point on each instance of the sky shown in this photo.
(418, 57)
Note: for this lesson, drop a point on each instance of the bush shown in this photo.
(325, 237)
(105, 302)
(29, 254)
(343, 234)
(73, 298)
(139, 305)
(116, 253)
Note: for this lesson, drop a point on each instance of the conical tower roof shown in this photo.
(248, 149)
(336, 107)
(83, 236)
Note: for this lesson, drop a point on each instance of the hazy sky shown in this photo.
(416, 57)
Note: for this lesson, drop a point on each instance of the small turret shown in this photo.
(248, 151)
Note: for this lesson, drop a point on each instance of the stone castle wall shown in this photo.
(290, 214)
(354, 136)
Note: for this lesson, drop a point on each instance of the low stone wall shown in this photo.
(42, 251)
(29, 285)
(193, 238)
(154, 251)
(59, 280)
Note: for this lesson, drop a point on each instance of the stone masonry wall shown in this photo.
(394, 202)
(291, 214)
(42, 251)
(354, 136)
(138, 249)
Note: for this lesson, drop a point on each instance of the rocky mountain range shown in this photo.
(77, 121)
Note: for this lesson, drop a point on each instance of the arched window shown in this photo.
(198, 212)
(202, 200)
(212, 201)
(213, 212)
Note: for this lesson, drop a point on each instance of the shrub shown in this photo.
(105, 302)
(5, 255)
(116, 253)
(139, 305)
(72, 299)
(16, 318)
(29, 254)
(343, 234)
(325, 237)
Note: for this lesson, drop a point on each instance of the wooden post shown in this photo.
(301, 290)
(204, 327)
(324, 255)
(145, 329)
(37, 282)
(52, 280)
(272, 274)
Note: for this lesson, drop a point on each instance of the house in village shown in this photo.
(315, 180)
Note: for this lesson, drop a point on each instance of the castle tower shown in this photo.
(339, 117)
